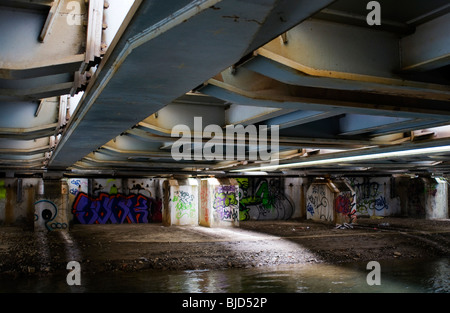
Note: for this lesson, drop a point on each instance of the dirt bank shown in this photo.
(135, 247)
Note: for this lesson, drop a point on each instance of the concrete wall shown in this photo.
(100, 201)
(376, 196)
(269, 198)
(51, 209)
(320, 202)
(180, 205)
(53, 204)
(219, 202)
(17, 197)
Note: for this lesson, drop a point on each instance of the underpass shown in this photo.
(211, 116)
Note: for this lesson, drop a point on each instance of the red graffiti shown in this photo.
(345, 204)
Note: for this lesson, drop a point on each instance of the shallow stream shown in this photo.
(395, 276)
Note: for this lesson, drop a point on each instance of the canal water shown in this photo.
(396, 276)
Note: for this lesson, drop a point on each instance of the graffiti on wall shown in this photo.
(46, 212)
(111, 208)
(370, 196)
(346, 205)
(2, 190)
(263, 198)
(77, 185)
(144, 188)
(318, 205)
(184, 204)
(226, 203)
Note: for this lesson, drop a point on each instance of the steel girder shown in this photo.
(334, 85)
(166, 50)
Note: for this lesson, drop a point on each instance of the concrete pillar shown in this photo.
(51, 209)
(345, 203)
(219, 202)
(436, 198)
(180, 205)
(320, 202)
(293, 190)
(17, 197)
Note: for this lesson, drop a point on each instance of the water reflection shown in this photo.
(396, 276)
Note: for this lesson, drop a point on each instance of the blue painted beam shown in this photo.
(429, 47)
(285, 74)
(298, 118)
(235, 95)
(355, 124)
(352, 124)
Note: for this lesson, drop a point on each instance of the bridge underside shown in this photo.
(82, 94)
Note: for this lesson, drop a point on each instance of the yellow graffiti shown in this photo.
(2, 190)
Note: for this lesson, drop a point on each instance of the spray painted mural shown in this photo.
(373, 196)
(184, 204)
(114, 209)
(107, 200)
(263, 198)
(151, 189)
(346, 206)
(226, 203)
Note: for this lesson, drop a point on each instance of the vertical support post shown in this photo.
(436, 198)
(180, 202)
(51, 206)
(64, 209)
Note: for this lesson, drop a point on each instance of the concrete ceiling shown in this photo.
(347, 97)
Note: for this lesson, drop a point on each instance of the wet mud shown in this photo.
(136, 247)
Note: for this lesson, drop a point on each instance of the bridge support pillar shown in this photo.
(51, 208)
(219, 202)
(436, 198)
(180, 206)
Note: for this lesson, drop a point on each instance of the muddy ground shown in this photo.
(100, 248)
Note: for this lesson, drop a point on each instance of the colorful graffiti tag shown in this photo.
(111, 208)
(263, 199)
(345, 205)
(45, 214)
(184, 204)
(77, 185)
(226, 203)
(370, 196)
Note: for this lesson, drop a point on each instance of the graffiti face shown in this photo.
(114, 209)
(45, 214)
